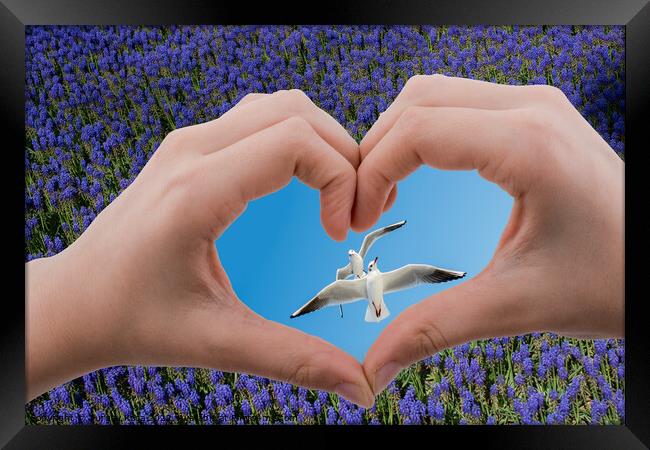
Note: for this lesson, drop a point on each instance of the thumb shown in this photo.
(254, 345)
(481, 308)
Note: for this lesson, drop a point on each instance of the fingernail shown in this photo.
(352, 392)
(384, 376)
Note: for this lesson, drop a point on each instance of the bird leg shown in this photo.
(341, 308)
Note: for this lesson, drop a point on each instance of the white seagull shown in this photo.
(355, 266)
(374, 286)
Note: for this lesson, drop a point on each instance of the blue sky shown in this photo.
(454, 219)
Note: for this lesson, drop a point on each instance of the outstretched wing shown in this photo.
(414, 274)
(336, 293)
(373, 236)
(344, 272)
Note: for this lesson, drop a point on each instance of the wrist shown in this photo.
(65, 327)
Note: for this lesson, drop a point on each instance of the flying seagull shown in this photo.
(374, 286)
(355, 266)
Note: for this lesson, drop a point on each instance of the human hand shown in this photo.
(144, 285)
(559, 264)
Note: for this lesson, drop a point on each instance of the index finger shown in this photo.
(265, 162)
(445, 138)
(443, 91)
(256, 112)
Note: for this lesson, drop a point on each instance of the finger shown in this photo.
(275, 351)
(393, 192)
(258, 113)
(440, 90)
(480, 308)
(445, 138)
(247, 99)
(391, 198)
(266, 161)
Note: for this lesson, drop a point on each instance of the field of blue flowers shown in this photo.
(99, 100)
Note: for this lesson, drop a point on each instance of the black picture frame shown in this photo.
(16, 14)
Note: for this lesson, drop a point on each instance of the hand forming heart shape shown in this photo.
(161, 297)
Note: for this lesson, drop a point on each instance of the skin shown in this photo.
(144, 285)
(559, 265)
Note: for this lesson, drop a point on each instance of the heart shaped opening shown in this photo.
(278, 256)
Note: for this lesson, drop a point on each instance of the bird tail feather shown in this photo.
(372, 317)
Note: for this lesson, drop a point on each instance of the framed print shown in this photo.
(352, 220)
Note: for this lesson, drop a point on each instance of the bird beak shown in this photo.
(376, 258)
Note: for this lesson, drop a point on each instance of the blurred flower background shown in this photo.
(99, 100)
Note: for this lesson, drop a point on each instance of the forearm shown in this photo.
(63, 333)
